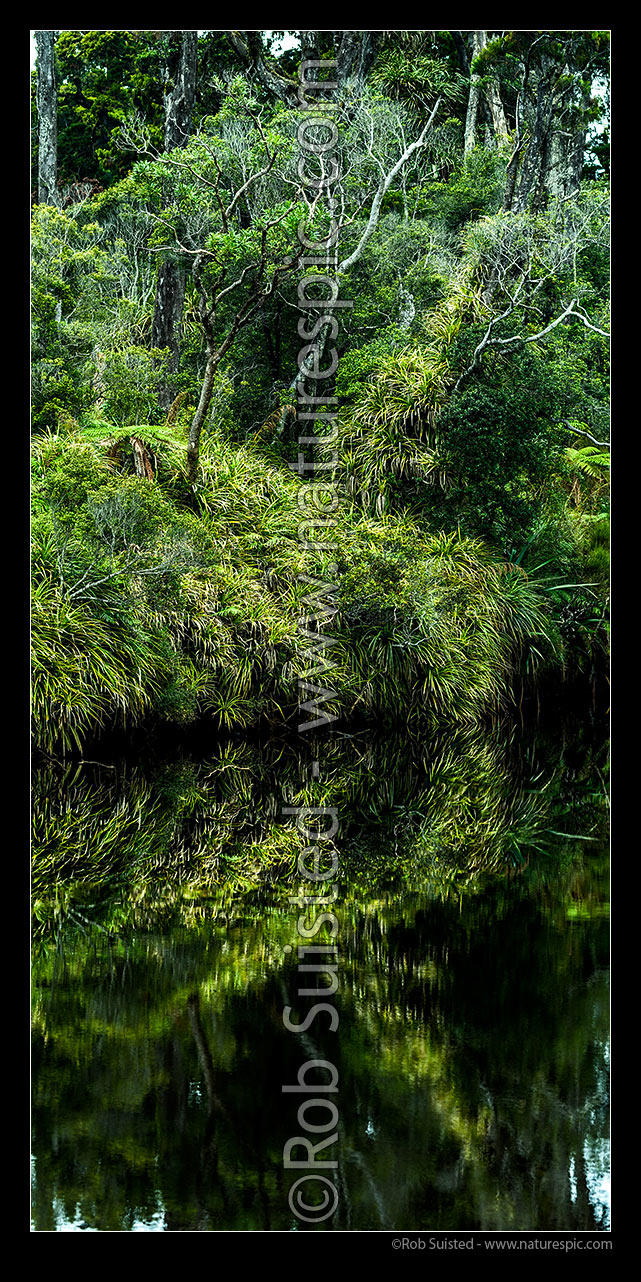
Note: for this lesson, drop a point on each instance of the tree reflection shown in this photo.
(472, 1048)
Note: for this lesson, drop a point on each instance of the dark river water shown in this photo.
(465, 1024)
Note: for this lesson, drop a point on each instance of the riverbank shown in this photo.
(154, 603)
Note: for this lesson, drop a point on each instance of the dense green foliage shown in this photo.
(141, 605)
(102, 77)
(472, 460)
(245, 612)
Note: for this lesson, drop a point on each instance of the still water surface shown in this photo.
(472, 1040)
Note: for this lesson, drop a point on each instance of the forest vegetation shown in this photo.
(471, 453)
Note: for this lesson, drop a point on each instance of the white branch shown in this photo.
(488, 341)
(383, 187)
(603, 445)
(588, 324)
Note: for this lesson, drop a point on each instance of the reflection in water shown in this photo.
(473, 998)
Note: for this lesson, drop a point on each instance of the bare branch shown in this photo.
(252, 179)
(235, 284)
(604, 445)
(588, 324)
(383, 188)
(488, 341)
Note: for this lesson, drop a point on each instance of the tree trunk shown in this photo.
(564, 159)
(142, 463)
(513, 163)
(536, 148)
(47, 120)
(193, 447)
(180, 87)
(180, 94)
(493, 96)
(168, 311)
(474, 96)
(355, 53)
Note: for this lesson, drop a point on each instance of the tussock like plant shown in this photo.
(146, 608)
(119, 848)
